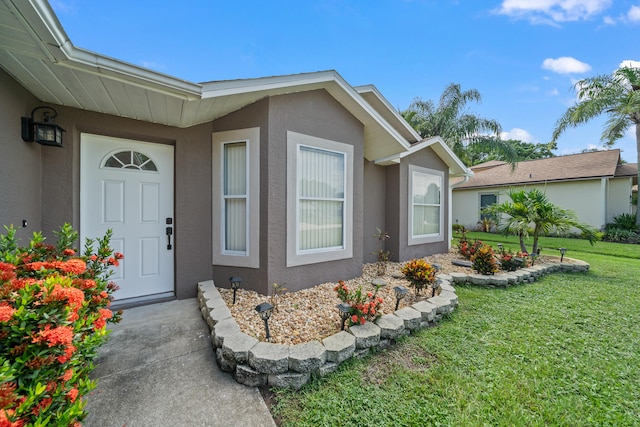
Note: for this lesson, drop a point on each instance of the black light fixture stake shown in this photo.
(562, 252)
(434, 287)
(264, 310)
(400, 292)
(344, 310)
(235, 284)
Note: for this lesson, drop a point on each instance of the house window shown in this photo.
(425, 205)
(487, 200)
(129, 159)
(319, 205)
(236, 198)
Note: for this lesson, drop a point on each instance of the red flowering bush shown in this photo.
(419, 273)
(467, 249)
(53, 315)
(364, 306)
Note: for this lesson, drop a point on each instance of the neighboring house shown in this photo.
(277, 179)
(595, 185)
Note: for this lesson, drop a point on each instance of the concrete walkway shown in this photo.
(158, 369)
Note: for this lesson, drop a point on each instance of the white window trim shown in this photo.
(427, 238)
(294, 256)
(251, 257)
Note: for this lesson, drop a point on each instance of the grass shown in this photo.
(562, 351)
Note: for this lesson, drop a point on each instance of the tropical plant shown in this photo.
(524, 151)
(363, 305)
(484, 260)
(467, 249)
(531, 212)
(381, 254)
(615, 95)
(460, 129)
(419, 273)
(53, 315)
(277, 290)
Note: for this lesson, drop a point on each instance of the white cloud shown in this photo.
(552, 12)
(634, 14)
(519, 134)
(609, 20)
(553, 92)
(565, 65)
(629, 63)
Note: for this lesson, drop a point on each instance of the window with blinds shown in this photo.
(425, 205)
(235, 197)
(321, 199)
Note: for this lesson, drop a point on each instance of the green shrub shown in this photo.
(623, 222)
(620, 235)
(53, 315)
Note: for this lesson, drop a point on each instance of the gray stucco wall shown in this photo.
(317, 114)
(42, 184)
(255, 115)
(375, 202)
(398, 206)
(20, 162)
(313, 113)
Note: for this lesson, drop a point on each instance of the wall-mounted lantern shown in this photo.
(45, 132)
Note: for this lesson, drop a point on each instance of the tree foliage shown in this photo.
(616, 96)
(524, 151)
(460, 129)
(531, 213)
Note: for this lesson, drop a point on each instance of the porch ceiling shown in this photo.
(36, 51)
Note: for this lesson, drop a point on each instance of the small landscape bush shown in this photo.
(419, 273)
(53, 315)
(484, 260)
(364, 305)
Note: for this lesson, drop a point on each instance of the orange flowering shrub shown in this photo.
(364, 306)
(419, 273)
(53, 315)
(484, 260)
(511, 262)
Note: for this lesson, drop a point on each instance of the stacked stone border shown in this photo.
(522, 275)
(255, 363)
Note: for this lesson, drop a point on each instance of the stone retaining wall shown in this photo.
(256, 363)
(522, 275)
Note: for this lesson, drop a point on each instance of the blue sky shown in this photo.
(522, 55)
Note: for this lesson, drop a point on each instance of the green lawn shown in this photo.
(564, 350)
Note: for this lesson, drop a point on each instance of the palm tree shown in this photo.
(617, 96)
(531, 212)
(459, 128)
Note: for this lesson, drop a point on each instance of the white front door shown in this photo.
(127, 186)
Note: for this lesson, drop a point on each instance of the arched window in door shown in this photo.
(130, 159)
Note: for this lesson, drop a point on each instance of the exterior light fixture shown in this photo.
(400, 292)
(45, 132)
(235, 284)
(344, 310)
(562, 252)
(500, 247)
(264, 310)
(435, 287)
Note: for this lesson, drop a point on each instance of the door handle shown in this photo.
(169, 232)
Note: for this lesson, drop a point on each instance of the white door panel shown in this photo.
(127, 186)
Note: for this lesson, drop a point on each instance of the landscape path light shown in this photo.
(400, 292)
(562, 252)
(235, 284)
(264, 310)
(344, 310)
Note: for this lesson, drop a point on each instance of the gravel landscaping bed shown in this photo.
(311, 314)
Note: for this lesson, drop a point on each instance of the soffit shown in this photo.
(35, 50)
